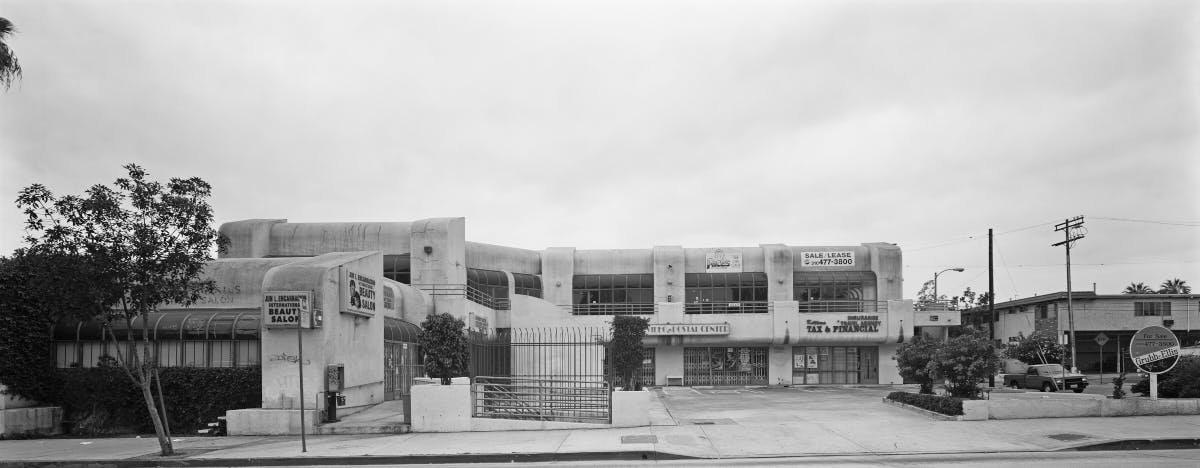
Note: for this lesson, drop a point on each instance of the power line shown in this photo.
(975, 237)
(1148, 221)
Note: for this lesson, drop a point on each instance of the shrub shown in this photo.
(1183, 381)
(626, 346)
(1118, 391)
(913, 358)
(102, 400)
(950, 406)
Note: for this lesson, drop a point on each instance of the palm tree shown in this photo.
(1138, 288)
(10, 68)
(1174, 286)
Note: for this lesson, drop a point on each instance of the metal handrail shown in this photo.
(470, 293)
(735, 307)
(839, 306)
(616, 308)
(541, 399)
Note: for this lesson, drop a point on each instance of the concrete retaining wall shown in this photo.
(447, 408)
(978, 410)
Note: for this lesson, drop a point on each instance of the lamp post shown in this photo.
(935, 275)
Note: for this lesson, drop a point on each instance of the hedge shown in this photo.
(1182, 381)
(939, 404)
(102, 400)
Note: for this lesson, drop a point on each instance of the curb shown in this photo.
(355, 460)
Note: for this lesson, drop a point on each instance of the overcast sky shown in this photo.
(631, 124)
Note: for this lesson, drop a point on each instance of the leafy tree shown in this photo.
(1137, 288)
(913, 359)
(1174, 286)
(445, 346)
(33, 298)
(146, 244)
(964, 361)
(10, 67)
(1040, 347)
(626, 348)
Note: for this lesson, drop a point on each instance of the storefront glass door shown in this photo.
(835, 365)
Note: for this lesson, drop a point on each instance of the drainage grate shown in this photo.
(1067, 437)
(639, 439)
(701, 423)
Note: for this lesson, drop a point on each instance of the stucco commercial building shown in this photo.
(771, 314)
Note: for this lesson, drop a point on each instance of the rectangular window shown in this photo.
(725, 293)
(828, 291)
(66, 354)
(398, 268)
(613, 294)
(1151, 309)
(1042, 311)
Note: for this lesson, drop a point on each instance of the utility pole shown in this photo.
(1073, 230)
(991, 304)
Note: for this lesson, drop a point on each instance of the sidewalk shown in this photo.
(879, 429)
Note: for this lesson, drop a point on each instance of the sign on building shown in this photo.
(389, 297)
(721, 261)
(692, 329)
(284, 309)
(840, 258)
(359, 293)
(840, 327)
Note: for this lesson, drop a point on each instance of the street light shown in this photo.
(935, 275)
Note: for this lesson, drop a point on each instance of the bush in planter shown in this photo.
(1183, 381)
(1118, 391)
(950, 406)
(965, 361)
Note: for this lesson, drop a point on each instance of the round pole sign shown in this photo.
(1154, 349)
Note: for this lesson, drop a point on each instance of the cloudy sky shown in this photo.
(615, 124)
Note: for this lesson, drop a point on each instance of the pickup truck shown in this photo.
(1048, 378)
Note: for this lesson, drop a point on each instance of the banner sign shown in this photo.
(720, 261)
(283, 309)
(842, 258)
(694, 329)
(358, 293)
(1154, 349)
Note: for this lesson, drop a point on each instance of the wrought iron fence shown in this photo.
(541, 399)
(571, 353)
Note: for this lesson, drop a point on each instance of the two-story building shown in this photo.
(771, 314)
(1111, 319)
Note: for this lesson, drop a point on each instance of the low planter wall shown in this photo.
(977, 410)
(45, 420)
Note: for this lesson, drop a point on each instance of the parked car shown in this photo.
(1047, 378)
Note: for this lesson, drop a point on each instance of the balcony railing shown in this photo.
(616, 308)
(472, 294)
(810, 307)
(743, 307)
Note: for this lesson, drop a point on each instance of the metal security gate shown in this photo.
(735, 365)
(401, 362)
